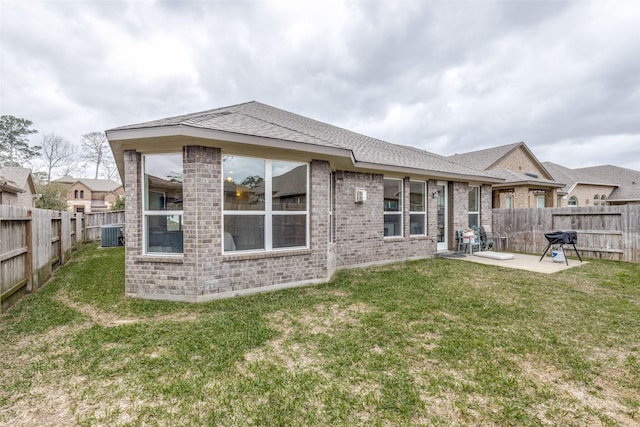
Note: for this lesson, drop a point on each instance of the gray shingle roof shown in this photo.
(484, 159)
(513, 177)
(569, 177)
(257, 119)
(105, 185)
(18, 175)
(628, 180)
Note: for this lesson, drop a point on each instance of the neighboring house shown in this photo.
(627, 181)
(526, 182)
(581, 188)
(250, 197)
(17, 187)
(91, 195)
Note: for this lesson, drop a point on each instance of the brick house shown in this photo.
(526, 182)
(17, 187)
(250, 198)
(581, 188)
(91, 195)
(627, 183)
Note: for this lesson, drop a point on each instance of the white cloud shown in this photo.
(445, 76)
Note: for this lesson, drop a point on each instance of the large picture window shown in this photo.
(392, 207)
(418, 207)
(162, 207)
(265, 204)
(474, 206)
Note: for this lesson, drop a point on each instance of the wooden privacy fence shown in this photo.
(607, 232)
(34, 242)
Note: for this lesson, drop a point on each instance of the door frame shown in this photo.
(443, 197)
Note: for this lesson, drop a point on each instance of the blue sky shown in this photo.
(445, 76)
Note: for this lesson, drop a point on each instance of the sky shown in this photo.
(445, 76)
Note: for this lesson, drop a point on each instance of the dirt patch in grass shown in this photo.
(294, 355)
(109, 320)
(579, 400)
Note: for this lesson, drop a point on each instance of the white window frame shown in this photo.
(400, 207)
(268, 213)
(538, 199)
(422, 212)
(572, 198)
(332, 180)
(470, 212)
(147, 213)
(508, 201)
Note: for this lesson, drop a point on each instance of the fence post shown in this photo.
(29, 256)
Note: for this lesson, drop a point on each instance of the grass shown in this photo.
(433, 342)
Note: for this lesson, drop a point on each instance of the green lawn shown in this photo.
(434, 342)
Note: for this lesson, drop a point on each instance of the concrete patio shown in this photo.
(520, 261)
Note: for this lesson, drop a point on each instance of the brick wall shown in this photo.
(204, 272)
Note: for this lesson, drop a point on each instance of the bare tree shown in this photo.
(95, 149)
(110, 169)
(57, 153)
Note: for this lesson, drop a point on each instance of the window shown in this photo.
(265, 204)
(417, 208)
(602, 200)
(540, 201)
(392, 207)
(75, 194)
(82, 194)
(573, 201)
(474, 206)
(596, 200)
(162, 207)
(508, 202)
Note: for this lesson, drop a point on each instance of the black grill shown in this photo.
(562, 238)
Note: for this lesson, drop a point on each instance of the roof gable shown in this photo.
(515, 157)
(21, 177)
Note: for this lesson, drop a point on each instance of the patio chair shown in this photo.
(486, 244)
(466, 243)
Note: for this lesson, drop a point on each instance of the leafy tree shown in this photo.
(56, 152)
(14, 144)
(52, 196)
(252, 181)
(118, 205)
(95, 149)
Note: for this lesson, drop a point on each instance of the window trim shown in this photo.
(575, 201)
(469, 211)
(422, 212)
(398, 212)
(147, 213)
(268, 213)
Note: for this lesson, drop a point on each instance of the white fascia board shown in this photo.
(223, 136)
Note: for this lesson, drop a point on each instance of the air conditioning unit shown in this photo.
(111, 235)
(361, 195)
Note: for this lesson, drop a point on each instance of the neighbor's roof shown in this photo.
(516, 177)
(628, 181)
(571, 177)
(91, 184)
(488, 157)
(263, 121)
(17, 176)
(484, 159)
